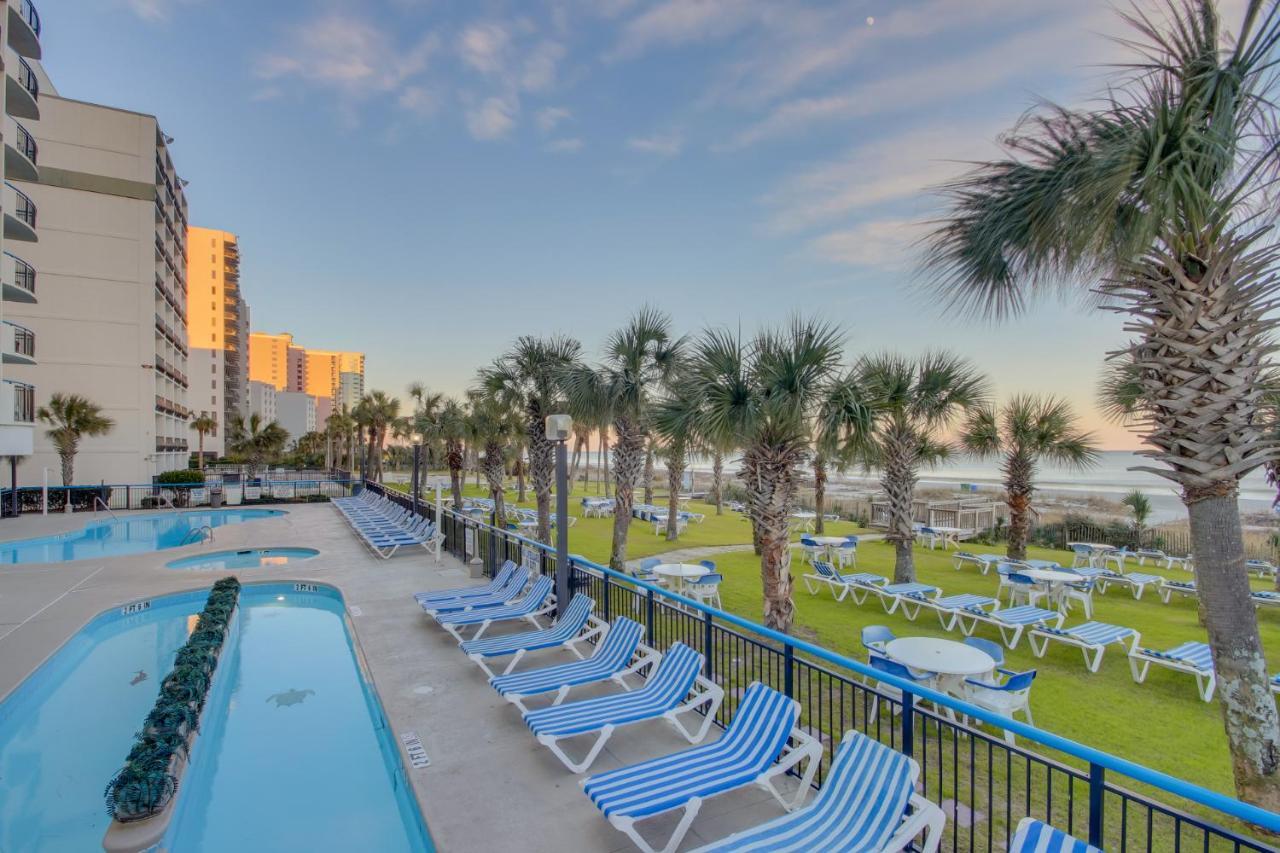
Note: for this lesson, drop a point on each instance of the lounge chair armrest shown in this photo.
(925, 817)
(801, 746)
(644, 656)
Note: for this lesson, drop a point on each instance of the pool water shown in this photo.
(248, 558)
(130, 535)
(294, 752)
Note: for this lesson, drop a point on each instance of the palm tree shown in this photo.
(377, 413)
(255, 441)
(340, 427)
(911, 402)
(205, 424)
(492, 426)
(70, 418)
(1140, 506)
(718, 447)
(527, 379)
(676, 421)
(1158, 199)
(1026, 430)
(766, 399)
(638, 362)
(451, 428)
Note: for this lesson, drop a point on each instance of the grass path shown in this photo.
(1162, 723)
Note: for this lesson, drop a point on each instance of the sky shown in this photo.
(425, 180)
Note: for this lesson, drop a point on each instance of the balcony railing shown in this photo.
(171, 445)
(24, 208)
(23, 342)
(27, 78)
(23, 276)
(24, 401)
(27, 11)
(26, 143)
(971, 772)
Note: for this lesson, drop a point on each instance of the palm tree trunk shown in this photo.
(541, 471)
(68, 459)
(455, 458)
(604, 460)
(772, 499)
(200, 439)
(627, 464)
(648, 474)
(1019, 473)
(675, 472)
(1248, 708)
(819, 493)
(521, 497)
(495, 471)
(899, 484)
(717, 481)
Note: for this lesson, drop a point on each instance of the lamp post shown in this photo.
(559, 427)
(417, 454)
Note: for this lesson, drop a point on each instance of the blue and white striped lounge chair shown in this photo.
(1155, 555)
(1137, 582)
(1275, 683)
(1192, 657)
(952, 609)
(618, 655)
(1186, 589)
(1033, 836)
(463, 592)
(503, 595)
(1092, 638)
(862, 583)
(1265, 598)
(761, 743)
(673, 689)
(840, 585)
(1186, 563)
(535, 603)
(984, 562)
(867, 803)
(904, 595)
(1012, 621)
(574, 627)
(1264, 568)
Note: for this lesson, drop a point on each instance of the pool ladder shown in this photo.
(198, 533)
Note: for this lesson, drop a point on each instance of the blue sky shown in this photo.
(425, 180)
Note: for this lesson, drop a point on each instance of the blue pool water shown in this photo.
(130, 535)
(248, 558)
(294, 752)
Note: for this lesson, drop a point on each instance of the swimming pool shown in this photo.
(130, 535)
(247, 558)
(296, 755)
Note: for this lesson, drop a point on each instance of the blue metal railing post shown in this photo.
(908, 722)
(789, 670)
(707, 641)
(648, 618)
(1097, 793)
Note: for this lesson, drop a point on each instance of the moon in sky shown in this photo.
(870, 21)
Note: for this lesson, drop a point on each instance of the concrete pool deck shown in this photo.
(489, 786)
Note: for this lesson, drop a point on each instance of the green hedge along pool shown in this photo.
(245, 558)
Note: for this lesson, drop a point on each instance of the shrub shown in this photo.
(185, 475)
(146, 784)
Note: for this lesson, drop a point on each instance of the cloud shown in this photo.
(661, 144)
(492, 119)
(419, 101)
(877, 243)
(876, 173)
(539, 72)
(564, 146)
(153, 10)
(348, 53)
(1010, 59)
(676, 22)
(549, 117)
(484, 46)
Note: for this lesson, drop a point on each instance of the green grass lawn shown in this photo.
(1162, 724)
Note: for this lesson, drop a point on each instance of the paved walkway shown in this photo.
(490, 786)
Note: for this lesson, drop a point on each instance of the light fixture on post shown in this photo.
(416, 438)
(559, 428)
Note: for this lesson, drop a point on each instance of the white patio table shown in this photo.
(952, 661)
(680, 572)
(1055, 579)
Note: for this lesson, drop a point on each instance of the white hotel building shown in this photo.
(108, 249)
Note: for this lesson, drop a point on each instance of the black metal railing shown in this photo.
(984, 783)
(24, 402)
(131, 496)
(27, 78)
(26, 143)
(23, 208)
(24, 275)
(24, 340)
(29, 14)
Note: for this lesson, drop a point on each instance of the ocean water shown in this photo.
(1111, 478)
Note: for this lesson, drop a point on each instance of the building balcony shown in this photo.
(19, 279)
(171, 445)
(22, 92)
(17, 402)
(20, 151)
(19, 215)
(17, 344)
(24, 28)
